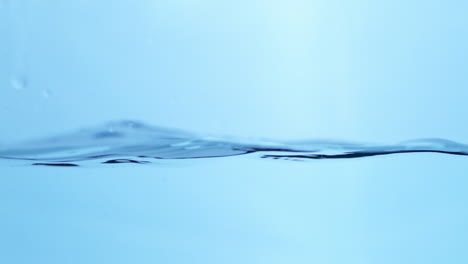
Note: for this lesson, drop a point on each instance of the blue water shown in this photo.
(135, 142)
(385, 209)
(257, 131)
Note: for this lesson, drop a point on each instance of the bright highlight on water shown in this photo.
(134, 142)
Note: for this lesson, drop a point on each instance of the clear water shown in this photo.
(306, 131)
(135, 142)
(232, 206)
(386, 209)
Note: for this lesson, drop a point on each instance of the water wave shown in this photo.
(135, 142)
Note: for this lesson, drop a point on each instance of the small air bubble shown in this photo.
(18, 83)
(45, 93)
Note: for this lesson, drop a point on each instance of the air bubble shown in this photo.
(18, 83)
(46, 93)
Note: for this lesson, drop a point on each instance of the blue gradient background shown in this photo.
(376, 71)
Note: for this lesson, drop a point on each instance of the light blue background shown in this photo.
(377, 71)
(371, 70)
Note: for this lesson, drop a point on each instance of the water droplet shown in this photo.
(46, 93)
(19, 83)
